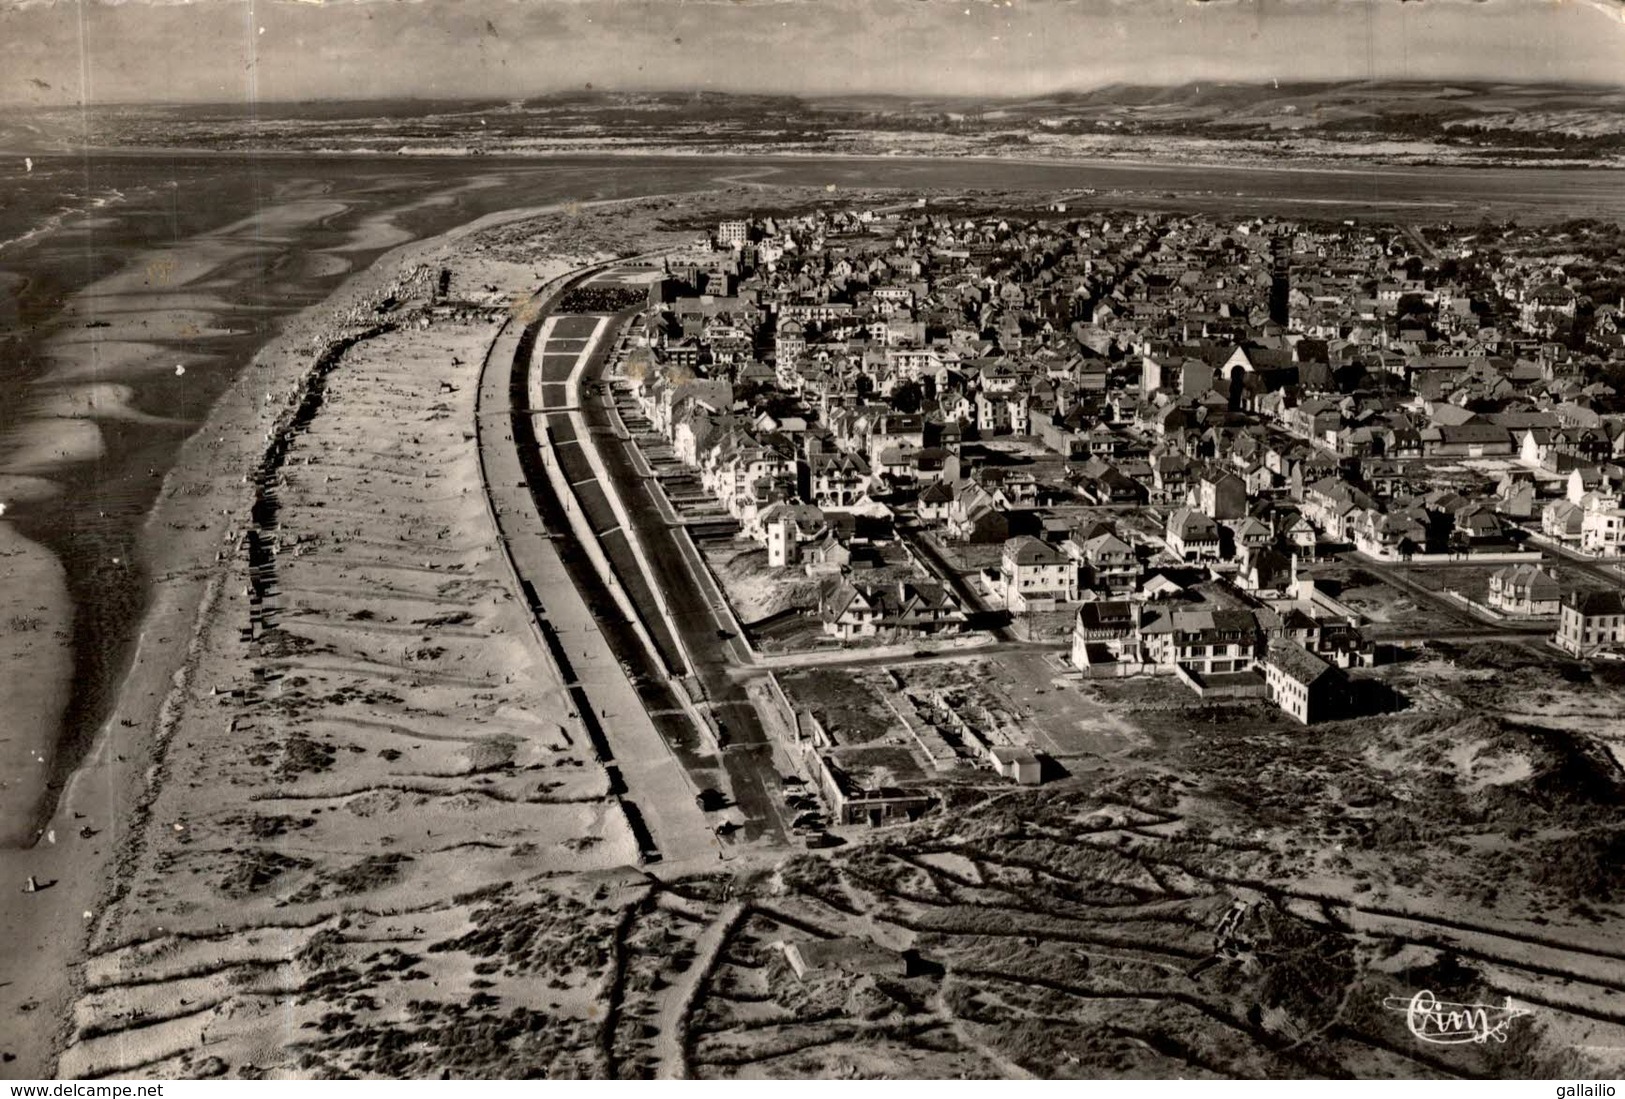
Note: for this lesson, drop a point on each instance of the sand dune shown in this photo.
(369, 722)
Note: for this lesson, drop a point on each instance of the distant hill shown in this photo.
(1382, 107)
(1415, 121)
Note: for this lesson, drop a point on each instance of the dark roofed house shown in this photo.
(1108, 620)
(920, 607)
(974, 517)
(934, 501)
(1268, 569)
(1113, 486)
(847, 612)
(1302, 684)
(1468, 440)
(1100, 631)
(1221, 495)
(1591, 621)
(1202, 640)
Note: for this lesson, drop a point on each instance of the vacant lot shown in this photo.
(1473, 581)
(1237, 898)
(851, 705)
(756, 591)
(968, 557)
(1387, 609)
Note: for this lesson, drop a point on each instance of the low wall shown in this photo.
(1574, 548)
(1499, 615)
(1509, 557)
(1252, 688)
(775, 691)
(1115, 670)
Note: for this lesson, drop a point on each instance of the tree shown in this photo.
(639, 364)
(906, 396)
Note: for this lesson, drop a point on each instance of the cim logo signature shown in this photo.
(1443, 1023)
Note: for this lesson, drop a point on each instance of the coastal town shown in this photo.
(1258, 459)
(606, 540)
(894, 633)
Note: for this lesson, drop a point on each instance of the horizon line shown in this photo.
(1263, 84)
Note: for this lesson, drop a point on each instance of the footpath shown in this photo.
(654, 780)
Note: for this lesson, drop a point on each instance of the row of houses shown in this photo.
(1269, 388)
(1222, 641)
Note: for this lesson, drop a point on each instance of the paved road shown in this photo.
(633, 446)
(792, 662)
(1589, 565)
(1483, 633)
(554, 359)
(1423, 248)
(748, 753)
(996, 622)
(747, 760)
(576, 622)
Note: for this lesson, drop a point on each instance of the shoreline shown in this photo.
(174, 330)
(141, 351)
(186, 541)
(1352, 163)
(36, 674)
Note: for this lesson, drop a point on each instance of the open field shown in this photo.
(1068, 723)
(1387, 609)
(1473, 581)
(1072, 931)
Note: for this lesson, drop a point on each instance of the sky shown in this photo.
(62, 52)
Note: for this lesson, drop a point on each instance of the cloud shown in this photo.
(198, 49)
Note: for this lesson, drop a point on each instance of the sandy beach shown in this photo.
(382, 665)
(338, 727)
(35, 661)
(155, 324)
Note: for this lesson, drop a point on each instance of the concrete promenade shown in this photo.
(655, 784)
(640, 595)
